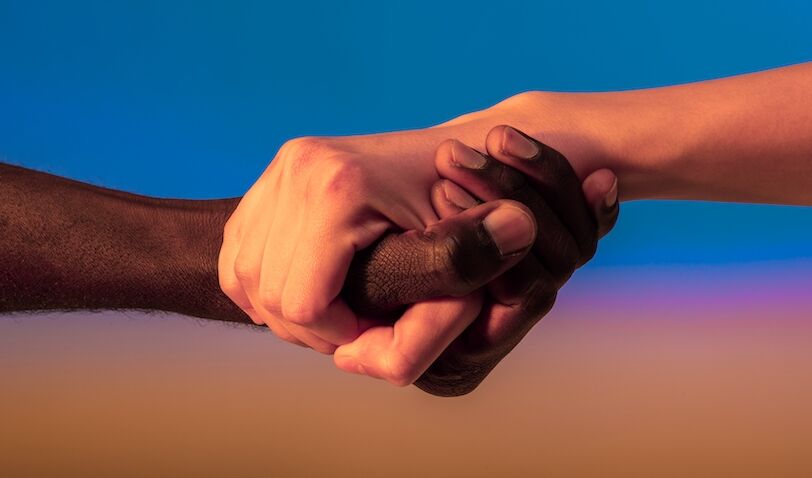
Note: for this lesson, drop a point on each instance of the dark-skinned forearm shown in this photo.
(66, 245)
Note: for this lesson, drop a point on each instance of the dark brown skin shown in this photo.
(67, 245)
(569, 229)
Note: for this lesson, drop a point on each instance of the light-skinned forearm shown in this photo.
(746, 138)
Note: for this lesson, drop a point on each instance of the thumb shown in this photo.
(453, 257)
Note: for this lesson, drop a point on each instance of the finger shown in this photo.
(553, 177)
(601, 193)
(322, 257)
(251, 265)
(455, 256)
(449, 199)
(232, 239)
(509, 288)
(493, 334)
(489, 179)
(400, 353)
(259, 310)
(233, 289)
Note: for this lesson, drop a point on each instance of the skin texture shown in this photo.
(66, 245)
(289, 245)
(451, 357)
(745, 138)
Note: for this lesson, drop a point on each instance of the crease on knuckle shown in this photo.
(540, 300)
(509, 180)
(454, 376)
(588, 249)
(301, 314)
(400, 371)
(567, 253)
(246, 270)
(229, 284)
(300, 154)
(269, 301)
(340, 175)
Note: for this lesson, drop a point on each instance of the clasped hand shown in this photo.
(489, 223)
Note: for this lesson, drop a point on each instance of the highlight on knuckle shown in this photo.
(400, 371)
(301, 314)
(246, 269)
(340, 175)
(300, 154)
(269, 301)
(229, 284)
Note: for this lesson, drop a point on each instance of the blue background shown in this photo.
(192, 99)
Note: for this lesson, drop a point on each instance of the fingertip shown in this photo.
(601, 194)
(494, 139)
(512, 227)
(439, 201)
(600, 187)
(444, 154)
(454, 198)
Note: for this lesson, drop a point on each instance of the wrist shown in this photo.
(191, 233)
(624, 132)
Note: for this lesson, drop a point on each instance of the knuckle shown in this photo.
(400, 371)
(569, 254)
(231, 229)
(541, 299)
(269, 301)
(229, 284)
(246, 269)
(299, 154)
(454, 376)
(589, 248)
(302, 146)
(340, 175)
(509, 180)
(324, 348)
(301, 314)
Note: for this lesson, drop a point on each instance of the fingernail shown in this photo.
(611, 196)
(457, 196)
(466, 157)
(511, 229)
(517, 145)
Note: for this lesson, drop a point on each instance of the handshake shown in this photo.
(419, 256)
(409, 276)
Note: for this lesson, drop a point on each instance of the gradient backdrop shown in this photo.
(682, 350)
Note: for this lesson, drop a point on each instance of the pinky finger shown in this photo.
(601, 194)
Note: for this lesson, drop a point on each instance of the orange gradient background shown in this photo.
(631, 375)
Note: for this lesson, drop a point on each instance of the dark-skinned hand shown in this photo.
(490, 300)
